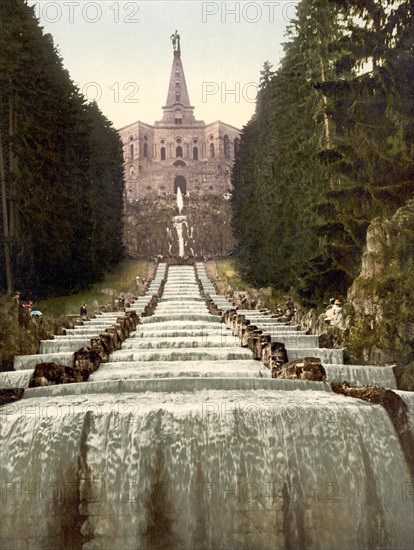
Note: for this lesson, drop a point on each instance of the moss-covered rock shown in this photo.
(382, 297)
(404, 375)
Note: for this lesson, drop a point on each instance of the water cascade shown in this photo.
(183, 441)
(183, 231)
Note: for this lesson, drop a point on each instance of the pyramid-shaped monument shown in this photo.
(178, 150)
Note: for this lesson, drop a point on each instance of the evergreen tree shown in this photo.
(276, 225)
(329, 147)
(371, 107)
(57, 153)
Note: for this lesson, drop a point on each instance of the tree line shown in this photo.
(61, 168)
(329, 148)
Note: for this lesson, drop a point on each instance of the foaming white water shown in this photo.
(212, 470)
(408, 398)
(181, 354)
(203, 369)
(23, 362)
(183, 448)
(326, 355)
(180, 202)
(15, 379)
(70, 343)
(182, 342)
(362, 375)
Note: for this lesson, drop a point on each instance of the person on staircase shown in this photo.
(83, 312)
(329, 312)
(337, 313)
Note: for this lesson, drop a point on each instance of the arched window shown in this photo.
(236, 148)
(195, 153)
(131, 151)
(179, 151)
(145, 150)
(162, 153)
(226, 147)
(211, 150)
(180, 182)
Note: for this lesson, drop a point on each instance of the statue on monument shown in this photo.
(175, 38)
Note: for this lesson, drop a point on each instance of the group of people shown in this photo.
(141, 284)
(22, 310)
(333, 312)
(119, 304)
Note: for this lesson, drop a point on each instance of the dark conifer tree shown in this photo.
(329, 147)
(58, 154)
(279, 155)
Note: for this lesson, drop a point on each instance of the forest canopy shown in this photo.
(61, 168)
(329, 148)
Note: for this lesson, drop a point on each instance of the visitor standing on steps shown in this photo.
(337, 309)
(83, 312)
(329, 311)
(290, 310)
(15, 303)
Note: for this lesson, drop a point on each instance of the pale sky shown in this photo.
(120, 53)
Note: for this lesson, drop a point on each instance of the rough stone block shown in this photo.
(50, 374)
(10, 395)
(274, 355)
(248, 334)
(404, 376)
(97, 345)
(308, 368)
(262, 341)
(87, 359)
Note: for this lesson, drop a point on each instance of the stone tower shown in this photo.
(178, 102)
(178, 150)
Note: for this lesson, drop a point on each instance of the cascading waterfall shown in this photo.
(180, 203)
(178, 222)
(161, 450)
(183, 231)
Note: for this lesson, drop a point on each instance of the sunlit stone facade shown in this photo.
(178, 150)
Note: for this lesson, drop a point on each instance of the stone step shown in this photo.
(62, 345)
(193, 354)
(180, 317)
(362, 375)
(15, 379)
(326, 355)
(22, 362)
(177, 385)
(182, 342)
(178, 369)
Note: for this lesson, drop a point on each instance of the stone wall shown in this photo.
(147, 174)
